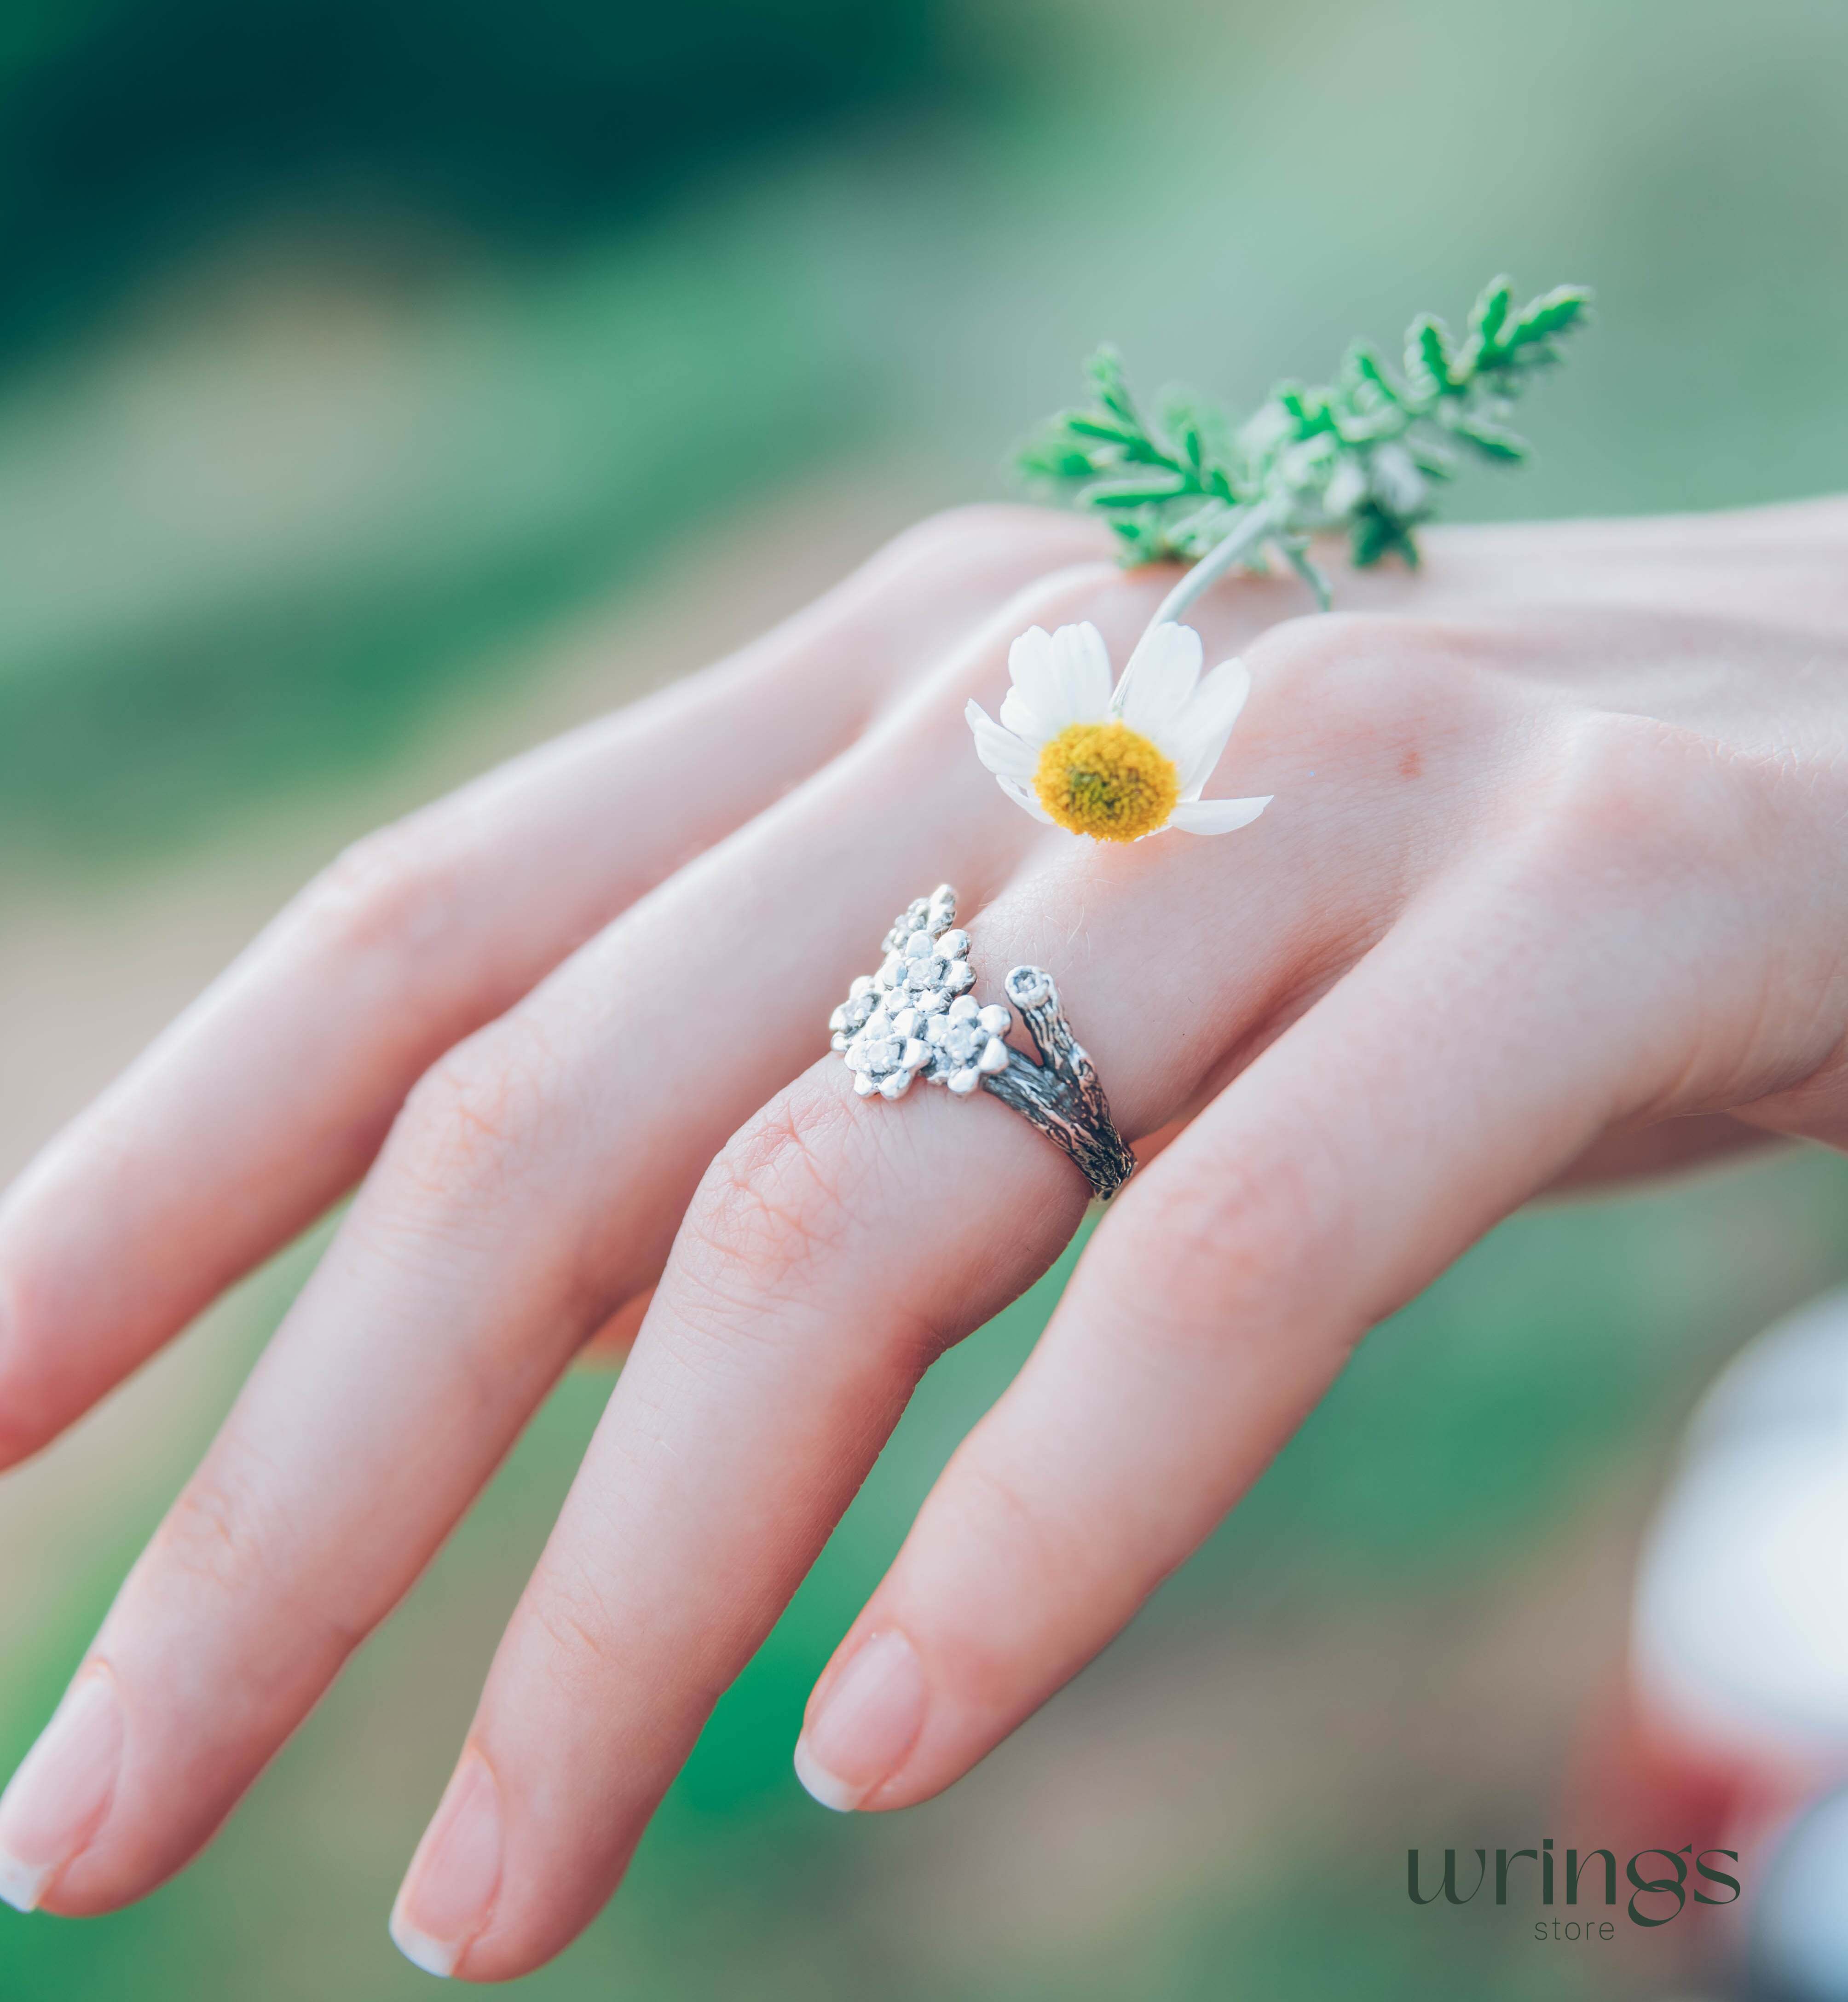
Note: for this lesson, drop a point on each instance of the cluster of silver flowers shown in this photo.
(915, 1016)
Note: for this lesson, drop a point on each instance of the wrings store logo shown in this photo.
(1661, 1883)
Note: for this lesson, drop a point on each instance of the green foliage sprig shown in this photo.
(1359, 455)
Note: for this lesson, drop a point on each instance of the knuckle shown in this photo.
(772, 1203)
(228, 1539)
(579, 1624)
(954, 537)
(1376, 701)
(1035, 566)
(1614, 796)
(214, 1535)
(1098, 590)
(997, 1503)
(1334, 656)
(988, 1500)
(479, 1112)
(1235, 1248)
(1365, 677)
(1067, 593)
(390, 888)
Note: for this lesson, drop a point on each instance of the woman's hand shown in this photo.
(1553, 885)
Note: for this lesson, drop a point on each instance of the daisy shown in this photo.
(1116, 766)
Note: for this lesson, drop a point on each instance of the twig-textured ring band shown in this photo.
(916, 1017)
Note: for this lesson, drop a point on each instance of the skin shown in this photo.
(1552, 891)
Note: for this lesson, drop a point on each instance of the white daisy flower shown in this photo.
(1116, 766)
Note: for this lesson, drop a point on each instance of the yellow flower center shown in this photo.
(1106, 780)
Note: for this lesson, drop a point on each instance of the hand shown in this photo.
(1553, 885)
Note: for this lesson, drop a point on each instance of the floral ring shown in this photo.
(916, 1017)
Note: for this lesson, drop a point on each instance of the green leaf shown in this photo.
(1493, 440)
(1087, 426)
(1309, 410)
(1311, 456)
(1362, 364)
(1488, 315)
(1436, 461)
(1135, 539)
(1377, 535)
(1104, 371)
(1427, 354)
(1052, 459)
(1131, 493)
(1557, 311)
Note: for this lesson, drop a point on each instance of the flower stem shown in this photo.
(1251, 526)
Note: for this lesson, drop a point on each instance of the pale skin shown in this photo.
(1552, 888)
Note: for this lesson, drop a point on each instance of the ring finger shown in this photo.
(834, 1247)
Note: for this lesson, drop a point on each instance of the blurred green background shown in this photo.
(371, 376)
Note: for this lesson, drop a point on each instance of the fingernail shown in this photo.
(59, 1796)
(865, 1725)
(448, 1891)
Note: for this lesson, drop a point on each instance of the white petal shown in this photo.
(1022, 797)
(1162, 674)
(1206, 724)
(1000, 750)
(1033, 665)
(1084, 672)
(1018, 715)
(1217, 816)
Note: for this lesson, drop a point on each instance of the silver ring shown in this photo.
(916, 1017)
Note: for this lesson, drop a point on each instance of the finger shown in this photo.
(740, 1429)
(832, 1249)
(267, 1100)
(1463, 1064)
(532, 1186)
